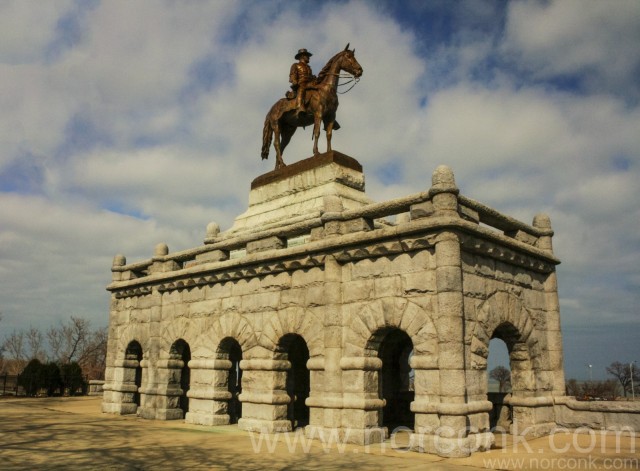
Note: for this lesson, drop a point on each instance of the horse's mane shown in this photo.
(325, 70)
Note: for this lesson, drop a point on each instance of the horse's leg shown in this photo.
(316, 131)
(287, 134)
(328, 127)
(276, 144)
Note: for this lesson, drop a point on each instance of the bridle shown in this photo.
(352, 78)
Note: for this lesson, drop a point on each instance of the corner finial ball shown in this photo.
(161, 250)
(119, 260)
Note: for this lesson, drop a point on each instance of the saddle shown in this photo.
(292, 94)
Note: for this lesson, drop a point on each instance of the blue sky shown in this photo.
(124, 124)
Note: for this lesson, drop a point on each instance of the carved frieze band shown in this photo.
(372, 251)
(505, 254)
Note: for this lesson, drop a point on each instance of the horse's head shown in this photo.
(348, 62)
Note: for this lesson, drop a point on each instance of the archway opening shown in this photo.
(134, 353)
(230, 350)
(293, 348)
(499, 384)
(522, 376)
(180, 351)
(395, 380)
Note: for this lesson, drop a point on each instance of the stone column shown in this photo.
(325, 374)
(361, 403)
(554, 349)
(162, 398)
(120, 392)
(452, 437)
(208, 394)
(264, 396)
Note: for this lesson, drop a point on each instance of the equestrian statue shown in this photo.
(311, 100)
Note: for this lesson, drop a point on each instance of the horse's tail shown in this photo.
(267, 134)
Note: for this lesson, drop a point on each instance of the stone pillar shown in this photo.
(452, 437)
(161, 398)
(324, 401)
(361, 402)
(264, 395)
(554, 348)
(208, 394)
(119, 393)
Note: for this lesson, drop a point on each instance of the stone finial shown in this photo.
(443, 191)
(213, 229)
(119, 260)
(443, 181)
(542, 221)
(161, 250)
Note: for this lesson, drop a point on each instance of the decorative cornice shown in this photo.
(241, 273)
(493, 250)
(385, 241)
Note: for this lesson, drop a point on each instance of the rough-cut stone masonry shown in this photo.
(320, 308)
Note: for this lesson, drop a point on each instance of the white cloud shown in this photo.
(27, 27)
(599, 37)
(56, 257)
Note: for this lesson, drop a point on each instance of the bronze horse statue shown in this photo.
(322, 102)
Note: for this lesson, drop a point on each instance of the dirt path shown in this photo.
(72, 433)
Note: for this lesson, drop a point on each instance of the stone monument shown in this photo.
(322, 309)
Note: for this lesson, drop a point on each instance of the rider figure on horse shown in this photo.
(301, 77)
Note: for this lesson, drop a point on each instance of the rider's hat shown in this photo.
(303, 52)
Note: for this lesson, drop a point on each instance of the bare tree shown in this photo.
(502, 375)
(94, 354)
(67, 340)
(598, 390)
(14, 345)
(573, 388)
(622, 372)
(35, 341)
(75, 341)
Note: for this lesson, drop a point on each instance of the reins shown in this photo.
(349, 76)
(353, 79)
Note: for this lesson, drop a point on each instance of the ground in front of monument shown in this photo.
(72, 433)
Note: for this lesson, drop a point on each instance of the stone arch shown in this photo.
(503, 315)
(304, 323)
(207, 339)
(177, 329)
(129, 334)
(132, 375)
(366, 332)
(368, 321)
(236, 327)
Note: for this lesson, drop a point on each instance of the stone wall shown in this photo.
(322, 309)
(598, 415)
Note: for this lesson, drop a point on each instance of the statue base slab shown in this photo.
(298, 191)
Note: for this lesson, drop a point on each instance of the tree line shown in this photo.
(73, 347)
(626, 378)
